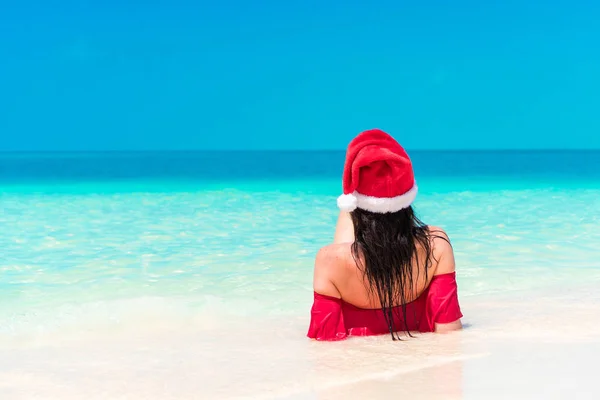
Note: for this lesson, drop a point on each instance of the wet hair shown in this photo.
(388, 244)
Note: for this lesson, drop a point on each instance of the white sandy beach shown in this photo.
(521, 345)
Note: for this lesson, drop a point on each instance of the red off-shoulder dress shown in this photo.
(334, 319)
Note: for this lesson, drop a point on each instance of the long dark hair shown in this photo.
(388, 243)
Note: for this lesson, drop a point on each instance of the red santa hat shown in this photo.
(378, 175)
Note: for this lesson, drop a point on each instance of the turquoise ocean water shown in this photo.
(189, 275)
(92, 238)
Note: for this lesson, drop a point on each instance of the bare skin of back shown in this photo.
(336, 273)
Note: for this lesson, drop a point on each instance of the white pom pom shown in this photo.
(347, 202)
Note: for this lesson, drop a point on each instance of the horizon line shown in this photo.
(483, 150)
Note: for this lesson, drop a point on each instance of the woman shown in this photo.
(386, 271)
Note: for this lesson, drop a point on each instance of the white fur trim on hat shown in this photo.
(352, 201)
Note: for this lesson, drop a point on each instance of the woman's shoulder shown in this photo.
(334, 255)
(331, 266)
(442, 252)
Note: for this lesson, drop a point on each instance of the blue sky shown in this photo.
(132, 75)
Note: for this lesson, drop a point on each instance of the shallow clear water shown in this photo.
(236, 254)
(254, 245)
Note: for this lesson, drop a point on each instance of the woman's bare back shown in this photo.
(338, 275)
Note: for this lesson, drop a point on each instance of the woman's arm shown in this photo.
(444, 254)
(446, 328)
(344, 230)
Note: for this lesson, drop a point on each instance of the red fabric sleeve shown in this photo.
(442, 300)
(326, 319)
